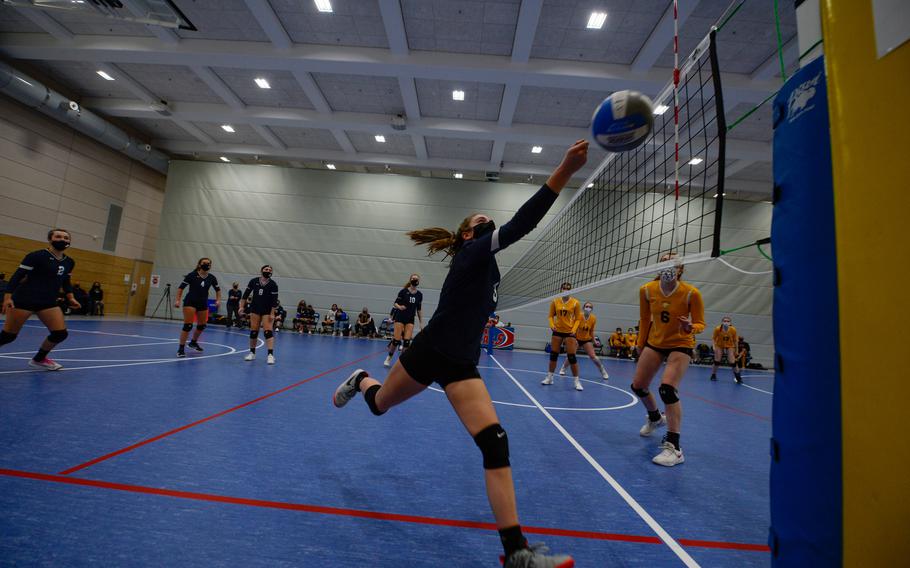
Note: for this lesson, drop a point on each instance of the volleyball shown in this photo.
(622, 121)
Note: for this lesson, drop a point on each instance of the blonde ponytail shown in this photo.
(438, 239)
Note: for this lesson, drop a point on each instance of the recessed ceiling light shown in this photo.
(323, 5)
(262, 83)
(725, 193)
(596, 21)
(330, 166)
(537, 149)
(458, 175)
(380, 138)
(660, 109)
(227, 128)
(695, 161)
(590, 185)
(105, 76)
(457, 95)
(223, 159)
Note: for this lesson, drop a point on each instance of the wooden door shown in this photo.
(142, 275)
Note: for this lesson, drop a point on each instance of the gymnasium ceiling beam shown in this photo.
(662, 36)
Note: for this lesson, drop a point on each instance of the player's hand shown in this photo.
(74, 303)
(575, 157)
(177, 304)
(8, 304)
(685, 324)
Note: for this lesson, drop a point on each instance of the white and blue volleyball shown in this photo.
(622, 121)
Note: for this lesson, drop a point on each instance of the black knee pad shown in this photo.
(187, 327)
(200, 327)
(640, 393)
(370, 397)
(572, 358)
(57, 336)
(494, 445)
(7, 337)
(406, 343)
(554, 356)
(268, 334)
(668, 394)
(254, 334)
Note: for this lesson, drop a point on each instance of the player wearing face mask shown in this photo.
(195, 305)
(585, 338)
(260, 299)
(565, 317)
(725, 341)
(672, 314)
(33, 289)
(407, 305)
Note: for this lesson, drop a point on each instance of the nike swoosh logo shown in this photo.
(500, 435)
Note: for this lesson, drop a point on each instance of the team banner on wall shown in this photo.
(503, 338)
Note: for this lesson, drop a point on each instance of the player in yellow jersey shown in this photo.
(631, 343)
(725, 341)
(585, 338)
(565, 317)
(672, 314)
(617, 342)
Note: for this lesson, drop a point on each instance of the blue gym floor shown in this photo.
(131, 457)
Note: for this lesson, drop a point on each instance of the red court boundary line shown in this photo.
(212, 417)
(362, 514)
(725, 406)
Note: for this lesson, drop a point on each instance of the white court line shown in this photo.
(86, 348)
(232, 351)
(756, 389)
(645, 516)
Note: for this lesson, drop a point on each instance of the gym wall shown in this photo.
(52, 176)
(337, 237)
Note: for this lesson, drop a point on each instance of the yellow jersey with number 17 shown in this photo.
(565, 316)
(660, 325)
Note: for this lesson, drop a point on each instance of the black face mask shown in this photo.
(205, 266)
(266, 275)
(484, 228)
(60, 245)
(415, 282)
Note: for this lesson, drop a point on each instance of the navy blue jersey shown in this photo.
(198, 287)
(234, 296)
(40, 277)
(469, 292)
(411, 302)
(265, 296)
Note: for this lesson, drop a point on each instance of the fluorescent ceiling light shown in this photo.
(457, 95)
(105, 76)
(227, 128)
(590, 185)
(695, 161)
(660, 109)
(596, 21)
(458, 175)
(330, 166)
(323, 5)
(223, 159)
(380, 138)
(536, 149)
(725, 194)
(262, 83)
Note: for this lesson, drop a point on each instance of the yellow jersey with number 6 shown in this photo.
(660, 325)
(725, 339)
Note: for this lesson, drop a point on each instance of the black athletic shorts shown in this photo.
(583, 341)
(199, 306)
(425, 364)
(259, 311)
(561, 334)
(665, 352)
(32, 306)
(409, 321)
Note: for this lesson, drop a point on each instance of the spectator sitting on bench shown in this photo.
(280, 315)
(617, 343)
(328, 322)
(342, 325)
(364, 326)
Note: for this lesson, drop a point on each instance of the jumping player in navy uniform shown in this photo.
(33, 289)
(196, 303)
(448, 349)
(407, 305)
(264, 294)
